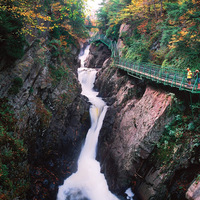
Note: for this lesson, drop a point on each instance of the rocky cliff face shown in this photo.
(124, 28)
(133, 124)
(51, 114)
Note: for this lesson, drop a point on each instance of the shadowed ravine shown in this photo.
(88, 183)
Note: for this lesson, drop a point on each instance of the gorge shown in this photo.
(76, 127)
(136, 118)
(88, 182)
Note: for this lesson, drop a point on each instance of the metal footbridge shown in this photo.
(167, 76)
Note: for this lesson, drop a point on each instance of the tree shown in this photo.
(107, 18)
(183, 19)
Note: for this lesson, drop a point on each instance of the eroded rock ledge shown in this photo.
(133, 124)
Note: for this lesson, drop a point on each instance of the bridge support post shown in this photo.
(191, 105)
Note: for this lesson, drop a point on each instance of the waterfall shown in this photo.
(88, 183)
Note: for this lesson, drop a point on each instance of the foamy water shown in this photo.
(88, 183)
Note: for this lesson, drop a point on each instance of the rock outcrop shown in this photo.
(124, 28)
(97, 55)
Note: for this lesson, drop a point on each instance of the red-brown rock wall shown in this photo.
(133, 125)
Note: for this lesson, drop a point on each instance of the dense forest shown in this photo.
(162, 32)
(64, 21)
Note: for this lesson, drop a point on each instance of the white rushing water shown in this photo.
(88, 183)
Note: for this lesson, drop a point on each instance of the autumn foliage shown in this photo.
(163, 32)
(24, 18)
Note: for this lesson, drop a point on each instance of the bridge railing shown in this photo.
(111, 45)
(167, 76)
(103, 38)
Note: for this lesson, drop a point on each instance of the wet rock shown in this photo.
(133, 125)
(98, 53)
(135, 131)
(75, 194)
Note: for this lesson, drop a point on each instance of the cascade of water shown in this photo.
(88, 183)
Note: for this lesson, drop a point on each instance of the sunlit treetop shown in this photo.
(33, 12)
(185, 16)
(28, 11)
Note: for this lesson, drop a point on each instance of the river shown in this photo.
(88, 183)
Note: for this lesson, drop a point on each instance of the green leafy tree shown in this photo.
(103, 19)
(107, 18)
(11, 40)
(180, 33)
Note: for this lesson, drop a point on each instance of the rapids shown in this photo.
(88, 183)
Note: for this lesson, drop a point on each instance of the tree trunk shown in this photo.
(161, 7)
(154, 6)
(149, 10)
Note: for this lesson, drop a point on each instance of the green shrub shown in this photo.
(57, 73)
(31, 90)
(138, 51)
(113, 32)
(16, 85)
(12, 41)
(14, 181)
(182, 130)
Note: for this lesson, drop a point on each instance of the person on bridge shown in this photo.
(189, 76)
